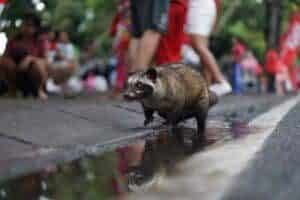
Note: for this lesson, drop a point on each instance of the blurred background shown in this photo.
(257, 25)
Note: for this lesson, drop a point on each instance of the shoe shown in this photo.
(52, 87)
(221, 89)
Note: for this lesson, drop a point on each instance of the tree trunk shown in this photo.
(272, 31)
(273, 19)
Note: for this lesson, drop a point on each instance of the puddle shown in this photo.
(117, 173)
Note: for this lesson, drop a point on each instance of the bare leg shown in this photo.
(200, 44)
(8, 73)
(146, 50)
(132, 53)
(41, 68)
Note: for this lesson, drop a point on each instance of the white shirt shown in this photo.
(66, 50)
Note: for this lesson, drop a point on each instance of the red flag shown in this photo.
(291, 38)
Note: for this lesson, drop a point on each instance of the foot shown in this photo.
(43, 96)
(221, 89)
(52, 87)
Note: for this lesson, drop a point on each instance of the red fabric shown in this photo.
(52, 45)
(37, 48)
(184, 2)
(169, 48)
(274, 63)
(237, 51)
(258, 70)
(291, 37)
(2, 1)
(288, 56)
(114, 24)
(120, 31)
(121, 66)
(270, 63)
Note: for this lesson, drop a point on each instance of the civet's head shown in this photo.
(142, 85)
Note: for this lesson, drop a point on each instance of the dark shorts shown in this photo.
(148, 15)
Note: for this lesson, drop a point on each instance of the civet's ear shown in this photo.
(152, 74)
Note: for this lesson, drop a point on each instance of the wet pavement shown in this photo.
(129, 168)
(118, 165)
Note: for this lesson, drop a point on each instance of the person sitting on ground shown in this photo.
(26, 54)
(62, 64)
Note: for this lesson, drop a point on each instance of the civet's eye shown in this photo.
(139, 85)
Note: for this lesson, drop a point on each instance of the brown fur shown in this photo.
(181, 93)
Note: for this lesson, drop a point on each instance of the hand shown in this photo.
(26, 61)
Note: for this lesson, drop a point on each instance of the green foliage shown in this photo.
(85, 20)
(248, 22)
(88, 20)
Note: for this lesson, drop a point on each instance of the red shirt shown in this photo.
(169, 48)
(274, 63)
(37, 48)
(288, 56)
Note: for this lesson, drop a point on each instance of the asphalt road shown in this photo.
(274, 173)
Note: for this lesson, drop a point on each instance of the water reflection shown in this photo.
(114, 174)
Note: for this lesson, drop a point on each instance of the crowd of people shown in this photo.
(34, 56)
(178, 31)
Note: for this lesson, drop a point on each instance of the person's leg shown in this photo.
(200, 21)
(146, 50)
(151, 24)
(132, 53)
(138, 13)
(62, 72)
(39, 74)
(8, 73)
(211, 68)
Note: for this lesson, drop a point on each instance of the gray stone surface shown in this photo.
(34, 134)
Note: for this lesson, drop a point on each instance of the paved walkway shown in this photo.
(35, 134)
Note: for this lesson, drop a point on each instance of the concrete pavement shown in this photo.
(35, 134)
